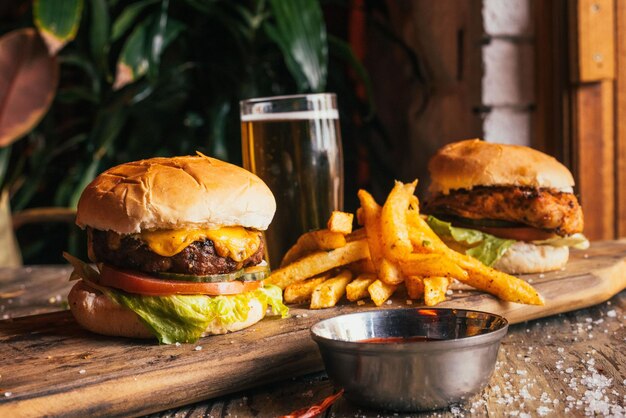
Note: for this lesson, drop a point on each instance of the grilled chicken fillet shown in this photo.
(542, 208)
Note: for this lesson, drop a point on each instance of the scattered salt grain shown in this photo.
(560, 349)
(543, 411)
(521, 372)
(569, 370)
(611, 313)
(198, 348)
(177, 344)
(449, 292)
(389, 302)
(5, 316)
(541, 276)
(82, 371)
(7, 394)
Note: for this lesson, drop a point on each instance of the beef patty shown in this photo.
(199, 258)
(546, 209)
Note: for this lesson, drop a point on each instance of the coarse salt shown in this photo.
(198, 348)
(611, 313)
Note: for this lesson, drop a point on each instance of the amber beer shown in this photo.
(298, 154)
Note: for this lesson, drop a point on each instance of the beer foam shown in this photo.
(304, 115)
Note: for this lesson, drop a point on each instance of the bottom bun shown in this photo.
(96, 312)
(523, 257)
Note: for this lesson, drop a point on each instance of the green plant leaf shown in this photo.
(300, 33)
(99, 28)
(29, 81)
(128, 16)
(138, 51)
(159, 33)
(57, 21)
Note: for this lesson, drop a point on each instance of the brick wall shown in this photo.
(508, 92)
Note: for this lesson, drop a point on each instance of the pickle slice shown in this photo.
(212, 278)
(255, 273)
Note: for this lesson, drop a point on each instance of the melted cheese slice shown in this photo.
(235, 242)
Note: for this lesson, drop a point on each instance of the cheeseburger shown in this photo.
(510, 206)
(178, 245)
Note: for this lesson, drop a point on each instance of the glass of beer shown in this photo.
(293, 143)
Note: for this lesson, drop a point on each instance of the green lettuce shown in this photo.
(578, 241)
(484, 247)
(183, 318)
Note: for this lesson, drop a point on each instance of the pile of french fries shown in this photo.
(394, 247)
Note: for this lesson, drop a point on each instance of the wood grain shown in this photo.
(594, 40)
(620, 115)
(536, 358)
(48, 363)
(593, 151)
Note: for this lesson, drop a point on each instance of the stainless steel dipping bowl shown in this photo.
(455, 362)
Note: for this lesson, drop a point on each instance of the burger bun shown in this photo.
(99, 314)
(473, 162)
(175, 193)
(524, 258)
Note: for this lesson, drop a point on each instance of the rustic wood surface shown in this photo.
(48, 365)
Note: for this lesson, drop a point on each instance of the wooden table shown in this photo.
(563, 365)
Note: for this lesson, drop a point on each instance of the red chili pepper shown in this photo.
(315, 410)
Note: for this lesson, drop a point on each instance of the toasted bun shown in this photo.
(470, 163)
(179, 192)
(523, 257)
(97, 313)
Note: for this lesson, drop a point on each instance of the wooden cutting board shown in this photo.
(50, 366)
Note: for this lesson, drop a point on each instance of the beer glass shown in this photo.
(293, 143)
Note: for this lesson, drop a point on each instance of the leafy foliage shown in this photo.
(158, 77)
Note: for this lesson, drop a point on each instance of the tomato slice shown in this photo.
(143, 284)
(517, 233)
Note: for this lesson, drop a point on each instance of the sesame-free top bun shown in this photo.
(175, 193)
(470, 163)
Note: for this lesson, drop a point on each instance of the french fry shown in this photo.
(320, 240)
(362, 266)
(435, 290)
(394, 225)
(301, 291)
(357, 289)
(431, 265)
(387, 271)
(328, 293)
(390, 273)
(317, 263)
(380, 292)
(500, 284)
(422, 237)
(340, 222)
(371, 220)
(414, 287)
(356, 235)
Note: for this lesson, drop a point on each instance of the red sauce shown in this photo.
(392, 340)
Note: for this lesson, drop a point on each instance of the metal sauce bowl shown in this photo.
(416, 375)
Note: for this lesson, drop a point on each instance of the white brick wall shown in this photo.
(508, 81)
(507, 17)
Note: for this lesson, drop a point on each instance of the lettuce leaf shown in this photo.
(183, 318)
(578, 241)
(484, 247)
